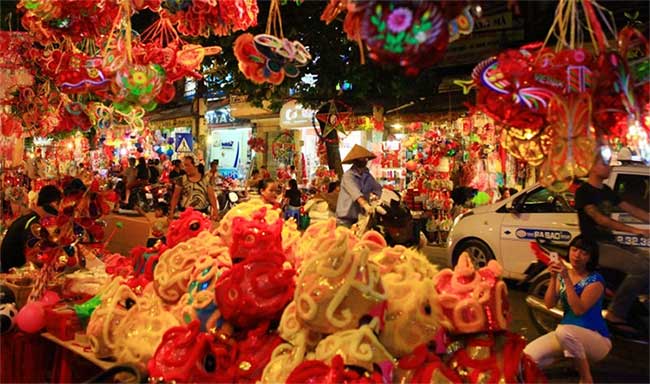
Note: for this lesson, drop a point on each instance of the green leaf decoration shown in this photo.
(378, 10)
(119, 224)
(400, 36)
(375, 21)
(381, 27)
(410, 39)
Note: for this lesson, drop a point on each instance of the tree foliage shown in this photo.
(335, 61)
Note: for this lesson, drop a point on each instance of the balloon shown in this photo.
(50, 298)
(170, 140)
(138, 145)
(140, 150)
(7, 315)
(31, 318)
(170, 152)
(6, 295)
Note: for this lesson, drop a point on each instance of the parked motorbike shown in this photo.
(546, 320)
(392, 218)
(226, 199)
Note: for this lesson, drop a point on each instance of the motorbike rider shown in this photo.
(594, 202)
(582, 333)
(356, 186)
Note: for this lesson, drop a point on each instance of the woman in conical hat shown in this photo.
(356, 186)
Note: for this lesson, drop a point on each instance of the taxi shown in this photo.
(503, 231)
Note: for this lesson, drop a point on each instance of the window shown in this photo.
(633, 189)
(542, 200)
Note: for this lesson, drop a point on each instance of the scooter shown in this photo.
(392, 218)
(546, 320)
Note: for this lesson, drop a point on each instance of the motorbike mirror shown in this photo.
(233, 197)
(515, 206)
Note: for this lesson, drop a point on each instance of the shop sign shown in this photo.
(172, 123)
(183, 142)
(227, 144)
(219, 116)
(491, 33)
(294, 115)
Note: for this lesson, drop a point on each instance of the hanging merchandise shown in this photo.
(518, 87)
(50, 21)
(14, 71)
(160, 44)
(269, 57)
(203, 18)
(411, 34)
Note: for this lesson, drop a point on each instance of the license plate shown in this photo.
(635, 241)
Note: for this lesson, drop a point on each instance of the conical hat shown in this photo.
(358, 152)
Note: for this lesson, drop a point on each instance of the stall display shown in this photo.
(388, 301)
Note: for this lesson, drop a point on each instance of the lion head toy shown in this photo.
(412, 314)
(186, 354)
(117, 300)
(358, 347)
(142, 329)
(199, 303)
(341, 286)
(472, 300)
(173, 271)
(188, 225)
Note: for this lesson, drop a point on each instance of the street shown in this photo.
(626, 363)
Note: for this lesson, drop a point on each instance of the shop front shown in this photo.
(227, 142)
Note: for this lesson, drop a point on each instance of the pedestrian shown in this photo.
(154, 175)
(594, 201)
(14, 250)
(265, 174)
(130, 174)
(193, 190)
(268, 192)
(292, 200)
(213, 173)
(582, 333)
(357, 185)
(254, 181)
(176, 171)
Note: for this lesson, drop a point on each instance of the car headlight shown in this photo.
(461, 216)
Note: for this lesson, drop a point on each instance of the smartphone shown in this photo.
(554, 257)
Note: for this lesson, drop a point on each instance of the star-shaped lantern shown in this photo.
(335, 120)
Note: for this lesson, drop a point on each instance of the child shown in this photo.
(158, 225)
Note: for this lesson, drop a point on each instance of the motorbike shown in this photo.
(392, 218)
(546, 320)
(226, 199)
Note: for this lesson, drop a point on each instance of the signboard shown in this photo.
(293, 115)
(171, 123)
(532, 234)
(491, 33)
(183, 142)
(219, 116)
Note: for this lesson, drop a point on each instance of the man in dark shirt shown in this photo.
(176, 170)
(595, 202)
(19, 233)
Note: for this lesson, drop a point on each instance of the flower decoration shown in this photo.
(137, 85)
(411, 34)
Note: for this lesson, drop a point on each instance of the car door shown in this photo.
(635, 189)
(540, 213)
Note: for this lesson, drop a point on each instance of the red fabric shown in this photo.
(26, 358)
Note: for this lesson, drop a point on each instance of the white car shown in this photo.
(504, 231)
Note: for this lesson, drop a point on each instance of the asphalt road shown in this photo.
(626, 363)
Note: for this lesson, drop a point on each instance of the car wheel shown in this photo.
(478, 251)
